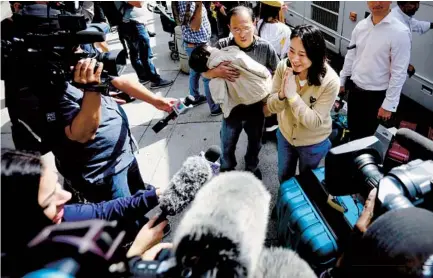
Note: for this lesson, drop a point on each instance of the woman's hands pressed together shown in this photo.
(288, 87)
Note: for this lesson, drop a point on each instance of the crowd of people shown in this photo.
(259, 74)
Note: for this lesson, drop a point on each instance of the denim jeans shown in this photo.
(288, 155)
(194, 77)
(123, 184)
(140, 52)
(253, 123)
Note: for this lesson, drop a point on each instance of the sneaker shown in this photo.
(144, 81)
(199, 100)
(151, 34)
(216, 112)
(161, 84)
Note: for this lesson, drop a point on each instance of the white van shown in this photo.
(338, 19)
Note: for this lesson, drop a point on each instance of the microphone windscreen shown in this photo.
(213, 153)
(281, 262)
(224, 230)
(419, 146)
(193, 174)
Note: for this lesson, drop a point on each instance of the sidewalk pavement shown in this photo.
(161, 155)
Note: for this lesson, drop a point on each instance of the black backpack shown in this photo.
(112, 13)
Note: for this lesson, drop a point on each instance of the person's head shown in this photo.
(269, 10)
(397, 244)
(308, 53)
(408, 7)
(379, 8)
(30, 193)
(199, 57)
(241, 25)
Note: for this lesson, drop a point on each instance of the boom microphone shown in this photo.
(418, 145)
(223, 232)
(283, 263)
(193, 174)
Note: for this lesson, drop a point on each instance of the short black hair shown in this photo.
(237, 10)
(198, 59)
(402, 3)
(315, 46)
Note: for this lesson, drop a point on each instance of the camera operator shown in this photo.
(399, 243)
(97, 155)
(42, 202)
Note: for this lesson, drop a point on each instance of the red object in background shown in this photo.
(397, 152)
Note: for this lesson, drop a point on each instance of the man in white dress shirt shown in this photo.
(377, 64)
(404, 11)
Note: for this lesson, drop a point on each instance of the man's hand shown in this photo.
(342, 90)
(85, 72)
(288, 87)
(384, 114)
(147, 237)
(223, 10)
(367, 214)
(223, 70)
(150, 255)
(165, 104)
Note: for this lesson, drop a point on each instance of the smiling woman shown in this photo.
(303, 93)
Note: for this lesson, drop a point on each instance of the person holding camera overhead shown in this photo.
(304, 90)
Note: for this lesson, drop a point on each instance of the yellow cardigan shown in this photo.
(307, 120)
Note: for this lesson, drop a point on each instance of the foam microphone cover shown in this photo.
(283, 263)
(184, 185)
(420, 147)
(223, 232)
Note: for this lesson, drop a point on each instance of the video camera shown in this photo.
(42, 50)
(358, 167)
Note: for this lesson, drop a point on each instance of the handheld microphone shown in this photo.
(282, 262)
(193, 174)
(179, 108)
(223, 232)
(419, 146)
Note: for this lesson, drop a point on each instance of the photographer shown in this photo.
(397, 244)
(42, 202)
(97, 155)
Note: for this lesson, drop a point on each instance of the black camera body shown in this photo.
(42, 51)
(357, 168)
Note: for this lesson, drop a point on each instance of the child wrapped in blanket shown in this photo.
(253, 84)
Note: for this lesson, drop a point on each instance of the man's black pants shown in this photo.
(363, 107)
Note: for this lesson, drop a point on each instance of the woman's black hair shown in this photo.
(267, 11)
(198, 59)
(22, 216)
(315, 46)
(237, 10)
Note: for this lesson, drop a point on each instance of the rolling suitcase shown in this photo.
(309, 225)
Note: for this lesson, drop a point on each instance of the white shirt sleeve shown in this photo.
(400, 56)
(419, 27)
(348, 60)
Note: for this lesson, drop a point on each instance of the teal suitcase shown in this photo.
(302, 226)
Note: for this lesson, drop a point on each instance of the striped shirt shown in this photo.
(203, 34)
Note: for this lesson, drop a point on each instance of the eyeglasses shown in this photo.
(245, 30)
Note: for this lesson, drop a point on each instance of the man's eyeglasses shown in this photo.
(244, 30)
